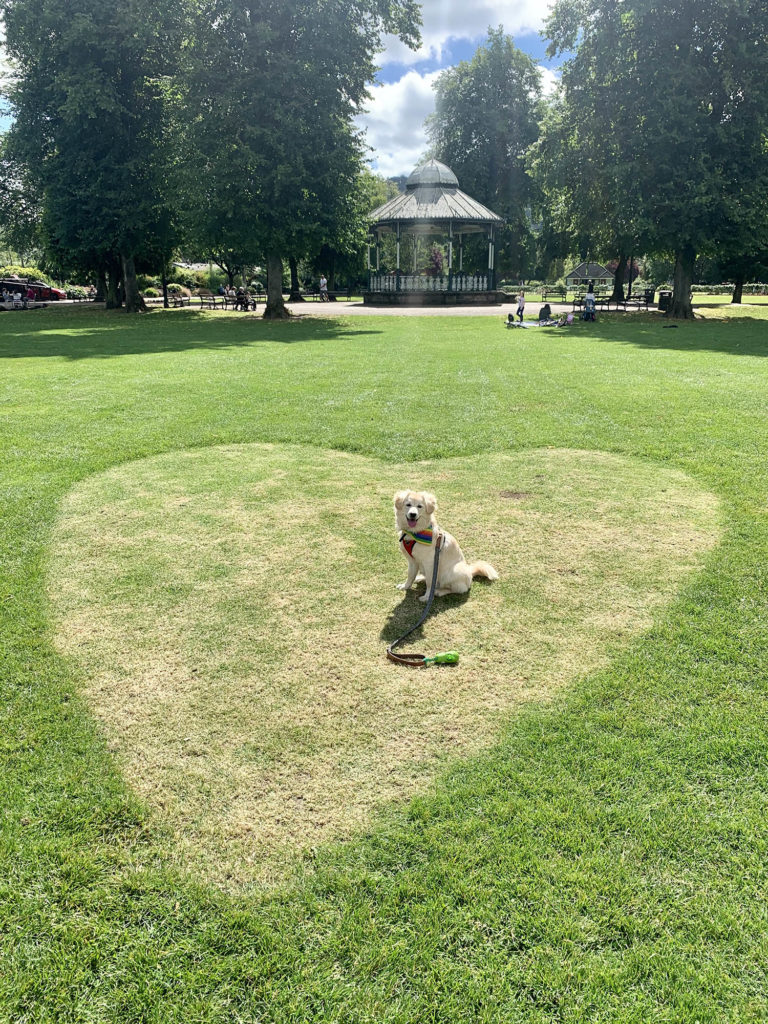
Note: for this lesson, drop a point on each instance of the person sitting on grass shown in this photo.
(545, 313)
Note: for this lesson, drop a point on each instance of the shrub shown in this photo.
(174, 288)
(151, 293)
(712, 289)
(75, 291)
(183, 276)
(27, 273)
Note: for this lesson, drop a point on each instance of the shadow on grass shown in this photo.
(410, 610)
(98, 334)
(739, 335)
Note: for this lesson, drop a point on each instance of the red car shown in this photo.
(46, 292)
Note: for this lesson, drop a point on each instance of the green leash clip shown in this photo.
(446, 658)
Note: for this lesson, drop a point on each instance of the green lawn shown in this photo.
(604, 860)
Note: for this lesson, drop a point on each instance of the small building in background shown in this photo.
(580, 276)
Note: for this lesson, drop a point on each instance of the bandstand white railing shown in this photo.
(426, 283)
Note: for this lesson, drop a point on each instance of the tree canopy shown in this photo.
(669, 97)
(273, 91)
(487, 115)
(268, 163)
(92, 98)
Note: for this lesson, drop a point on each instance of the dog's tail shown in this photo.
(483, 569)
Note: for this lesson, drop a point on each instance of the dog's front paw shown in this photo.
(403, 586)
(424, 597)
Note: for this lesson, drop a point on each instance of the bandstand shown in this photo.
(432, 206)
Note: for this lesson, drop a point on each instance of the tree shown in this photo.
(487, 113)
(93, 99)
(346, 255)
(272, 97)
(680, 88)
(590, 193)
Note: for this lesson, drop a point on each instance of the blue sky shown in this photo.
(402, 96)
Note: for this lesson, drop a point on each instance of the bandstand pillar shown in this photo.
(450, 256)
(397, 259)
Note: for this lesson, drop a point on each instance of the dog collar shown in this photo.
(419, 537)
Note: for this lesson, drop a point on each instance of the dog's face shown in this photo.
(414, 509)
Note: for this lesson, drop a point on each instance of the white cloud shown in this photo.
(550, 79)
(394, 122)
(442, 21)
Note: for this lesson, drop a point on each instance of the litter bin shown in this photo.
(648, 296)
(665, 301)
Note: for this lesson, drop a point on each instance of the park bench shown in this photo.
(210, 301)
(554, 293)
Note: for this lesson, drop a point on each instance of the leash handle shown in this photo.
(446, 658)
(421, 660)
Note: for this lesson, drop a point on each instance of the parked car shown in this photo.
(43, 292)
(46, 292)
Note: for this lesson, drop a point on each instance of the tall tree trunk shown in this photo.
(275, 306)
(165, 285)
(295, 295)
(114, 298)
(101, 285)
(629, 275)
(680, 308)
(328, 262)
(618, 280)
(738, 288)
(134, 303)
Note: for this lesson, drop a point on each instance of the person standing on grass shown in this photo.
(323, 288)
(520, 305)
(589, 302)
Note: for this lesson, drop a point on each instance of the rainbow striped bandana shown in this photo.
(420, 537)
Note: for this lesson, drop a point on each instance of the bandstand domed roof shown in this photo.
(431, 202)
(430, 174)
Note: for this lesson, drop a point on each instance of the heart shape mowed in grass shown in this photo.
(229, 608)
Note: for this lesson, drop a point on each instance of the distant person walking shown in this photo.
(323, 288)
(520, 305)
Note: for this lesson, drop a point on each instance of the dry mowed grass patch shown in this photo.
(229, 608)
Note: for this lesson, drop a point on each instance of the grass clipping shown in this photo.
(229, 610)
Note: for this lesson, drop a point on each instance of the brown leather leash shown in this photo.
(421, 660)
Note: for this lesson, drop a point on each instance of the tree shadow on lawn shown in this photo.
(97, 334)
(737, 335)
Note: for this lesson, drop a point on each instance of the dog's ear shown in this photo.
(400, 499)
(430, 501)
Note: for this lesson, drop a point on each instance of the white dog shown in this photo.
(416, 523)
